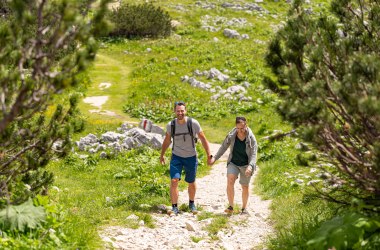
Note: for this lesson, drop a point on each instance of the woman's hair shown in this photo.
(241, 119)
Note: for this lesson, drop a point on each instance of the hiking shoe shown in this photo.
(229, 210)
(244, 211)
(173, 211)
(193, 208)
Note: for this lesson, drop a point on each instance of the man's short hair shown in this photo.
(180, 103)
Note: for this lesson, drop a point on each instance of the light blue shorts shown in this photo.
(239, 170)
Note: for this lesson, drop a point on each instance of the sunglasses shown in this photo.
(180, 103)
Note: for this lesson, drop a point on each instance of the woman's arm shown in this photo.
(253, 152)
(223, 148)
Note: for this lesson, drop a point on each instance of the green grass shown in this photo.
(157, 82)
(107, 70)
(83, 195)
(297, 218)
(196, 239)
(99, 192)
(217, 224)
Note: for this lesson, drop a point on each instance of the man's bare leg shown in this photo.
(192, 188)
(174, 191)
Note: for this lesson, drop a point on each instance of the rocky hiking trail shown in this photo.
(178, 232)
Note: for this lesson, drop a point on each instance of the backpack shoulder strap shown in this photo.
(190, 128)
(172, 131)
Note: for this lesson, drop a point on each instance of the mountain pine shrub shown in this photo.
(328, 77)
(39, 107)
(144, 20)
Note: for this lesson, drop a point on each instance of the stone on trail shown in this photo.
(190, 226)
(162, 208)
(133, 217)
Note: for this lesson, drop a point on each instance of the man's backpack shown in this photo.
(189, 123)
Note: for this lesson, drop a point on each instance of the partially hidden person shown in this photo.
(241, 161)
(182, 133)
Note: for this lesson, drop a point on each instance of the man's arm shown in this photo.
(205, 144)
(165, 146)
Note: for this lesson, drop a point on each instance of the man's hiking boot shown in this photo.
(229, 210)
(173, 211)
(244, 211)
(193, 208)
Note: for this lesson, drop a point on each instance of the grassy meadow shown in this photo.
(146, 80)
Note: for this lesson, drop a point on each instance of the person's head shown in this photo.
(241, 124)
(180, 110)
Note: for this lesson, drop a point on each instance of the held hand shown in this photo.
(249, 171)
(210, 160)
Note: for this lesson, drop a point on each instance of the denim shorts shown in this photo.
(189, 164)
(236, 170)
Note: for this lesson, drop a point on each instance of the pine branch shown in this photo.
(17, 155)
(278, 136)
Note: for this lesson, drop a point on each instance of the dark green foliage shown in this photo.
(137, 21)
(328, 70)
(4, 9)
(31, 144)
(32, 225)
(305, 158)
(37, 62)
(349, 231)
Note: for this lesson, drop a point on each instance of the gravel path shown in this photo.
(181, 232)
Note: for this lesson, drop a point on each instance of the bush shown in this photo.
(351, 230)
(332, 102)
(4, 9)
(34, 224)
(144, 20)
